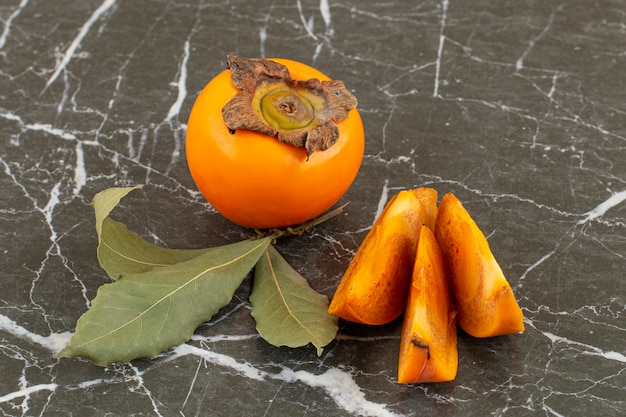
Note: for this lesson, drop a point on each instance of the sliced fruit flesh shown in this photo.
(428, 343)
(374, 287)
(484, 299)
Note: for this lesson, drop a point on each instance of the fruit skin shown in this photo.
(374, 288)
(255, 180)
(428, 343)
(483, 297)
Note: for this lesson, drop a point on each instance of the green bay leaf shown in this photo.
(105, 201)
(120, 251)
(288, 312)
(146, 313)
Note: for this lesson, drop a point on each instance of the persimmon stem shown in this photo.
(299, 229)
(302, 113)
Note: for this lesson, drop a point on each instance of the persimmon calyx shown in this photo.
(302, 113)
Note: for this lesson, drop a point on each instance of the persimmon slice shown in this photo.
(428, 343)
(373, 289)
(483, 297)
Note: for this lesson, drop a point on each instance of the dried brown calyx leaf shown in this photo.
(302, 113)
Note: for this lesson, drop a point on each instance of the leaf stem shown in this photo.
(296, 230)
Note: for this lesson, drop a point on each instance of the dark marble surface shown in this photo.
(518, 107)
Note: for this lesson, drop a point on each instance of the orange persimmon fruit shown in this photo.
(374, 287)
(268, 145)
(483, 297)
(428, 343)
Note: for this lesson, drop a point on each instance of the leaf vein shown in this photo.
(169, 295)
(282, 296)
(138, 261)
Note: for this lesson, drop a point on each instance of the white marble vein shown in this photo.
(519, 64)
(325, 12)
(9, 21)
(181, 84)
(442, 40)
(84, 30)
(600, 210)
(80, 173)
(26, 392)
(37, 127)
(308, 25)
(382, 201)
(342, 388)
(53, 342)
(336, 383)
(588, 350)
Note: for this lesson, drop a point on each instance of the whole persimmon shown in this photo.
(273, 142)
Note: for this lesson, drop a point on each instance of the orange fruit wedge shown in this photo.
(374, 288)
(482, 295)
(428, 343)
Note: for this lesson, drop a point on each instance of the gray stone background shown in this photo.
(518, 107)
